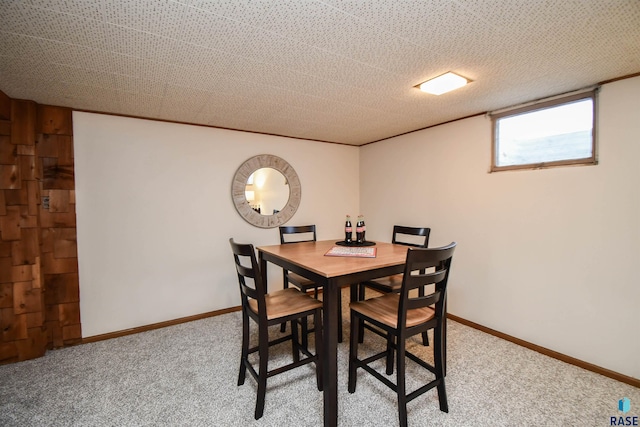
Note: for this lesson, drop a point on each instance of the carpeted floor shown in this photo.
(186, 375)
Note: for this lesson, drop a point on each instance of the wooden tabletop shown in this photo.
(311, 256)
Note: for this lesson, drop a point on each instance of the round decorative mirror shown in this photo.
(266, 191)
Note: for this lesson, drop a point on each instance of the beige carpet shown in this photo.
(186, 375)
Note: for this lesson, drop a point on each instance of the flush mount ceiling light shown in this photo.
(443, 83)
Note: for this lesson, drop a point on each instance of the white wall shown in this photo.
(154, 214)
(549, 256)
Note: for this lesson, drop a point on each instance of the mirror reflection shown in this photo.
(267, 191)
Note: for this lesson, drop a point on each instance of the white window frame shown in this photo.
(495, 117)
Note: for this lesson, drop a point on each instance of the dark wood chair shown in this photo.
(300, 233)
(417, 237)
(268, 309)
(296, 234)
(402, 316)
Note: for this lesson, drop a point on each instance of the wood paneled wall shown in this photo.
(39, 287)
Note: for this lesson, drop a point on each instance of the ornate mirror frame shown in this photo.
(239, 184)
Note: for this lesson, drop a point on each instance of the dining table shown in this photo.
(332, 273)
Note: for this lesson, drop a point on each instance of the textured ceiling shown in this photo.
(332, 70)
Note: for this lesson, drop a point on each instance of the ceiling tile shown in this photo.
(332, 70)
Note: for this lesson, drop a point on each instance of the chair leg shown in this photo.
(245, 349)
(439, 358)
(354, 290)
(295, 346)
(317, 321)
(340, 316)
(425, 339)
(425, 336)
(361, 291)
(305, 332)
(353, 352)
(263, 352)
(283, 326)
(444, 345)
(401, 386)
(390, 354)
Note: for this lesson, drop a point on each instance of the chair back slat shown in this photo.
(419, 260)
(249, 276)
(297, 233)
(416, 281)
(411, 236)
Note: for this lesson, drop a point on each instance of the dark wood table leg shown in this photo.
(263, 270)
(330, 297)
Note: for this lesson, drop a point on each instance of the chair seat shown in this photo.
(385, 310)
(286, 302)
(387, 284)
(300, 281)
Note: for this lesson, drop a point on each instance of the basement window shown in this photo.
(557, 132)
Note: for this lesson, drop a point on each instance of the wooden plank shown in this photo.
(52, 312)
(3, 203)
(5, 106)
(56, 146)
(26, 220)
(23, 122)
(14, 273)
(16, 217)
(57, 219)
(27, 167)
(58, 201)
(34, 345)
(46, 240)
(56, 175)
(16, 197)
(6, 295)
(47, 145)
(61, 288)
(33, 195)
(5, 248)
(65, 150)
(10, 223)
(8, 151)
(39, 170)
(5, 127)
(5, 270)
(25, 250)
(71, 334)
(35, 319)
(35, 273)
(26, 299)
(8, 352)
(65, 243)
(69, 314)
(53, 266)
(26, 150)
(54, 331)
(12, 326)
(54, 120)
(10, 177)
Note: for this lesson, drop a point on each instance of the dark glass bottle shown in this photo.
(360, 229)
(364, 230)
(348, 230)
